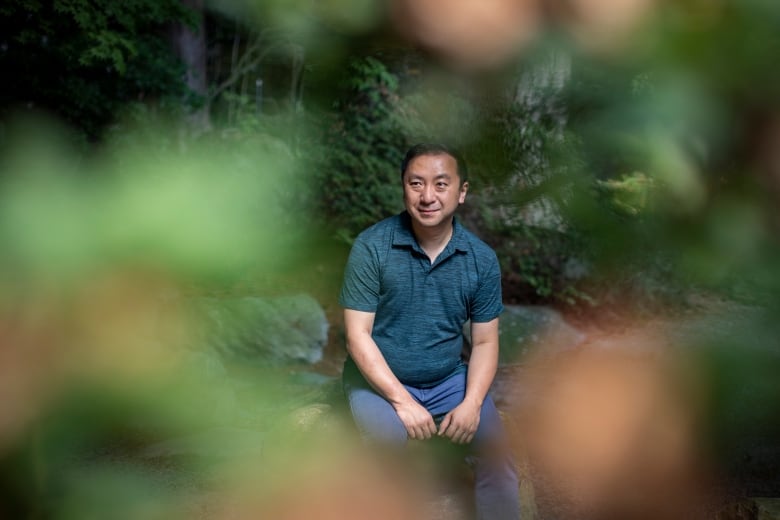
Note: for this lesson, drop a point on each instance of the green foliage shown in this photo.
(629, 195)
(521, 203)
(358, 182)
(84, 60)
(195, 213)
(540, 265)
(532, 122)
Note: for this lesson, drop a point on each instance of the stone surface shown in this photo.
(534, 330)
(531, 330)
(267, 331)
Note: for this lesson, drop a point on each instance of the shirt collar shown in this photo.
(404, 236)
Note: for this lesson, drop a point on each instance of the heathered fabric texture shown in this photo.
(421, 308)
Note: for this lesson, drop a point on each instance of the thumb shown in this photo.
(445, 423)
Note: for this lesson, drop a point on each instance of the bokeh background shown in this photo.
(180, 182)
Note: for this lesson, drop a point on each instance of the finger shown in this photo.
(466, 435)
(452, 433)
(428, 427)
(445, 423)
(459, 433)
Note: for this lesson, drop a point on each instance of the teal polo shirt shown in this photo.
(420, 308)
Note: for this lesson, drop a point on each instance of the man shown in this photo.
(410, 284)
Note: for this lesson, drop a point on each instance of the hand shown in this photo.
(461, 423)
(417, 420)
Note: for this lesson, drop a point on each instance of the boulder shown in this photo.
(267, 331)
(537, 330)
(526, 330)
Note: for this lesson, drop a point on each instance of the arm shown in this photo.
(369, 360)
(461, 423)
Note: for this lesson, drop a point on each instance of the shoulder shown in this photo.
(381, 234)
(380, 228)
(471, 243)
(374, 242)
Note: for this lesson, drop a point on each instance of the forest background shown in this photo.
(624, 159)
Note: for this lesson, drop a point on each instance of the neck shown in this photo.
(433, 240)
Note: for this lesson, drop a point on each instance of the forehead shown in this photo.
(433, 164)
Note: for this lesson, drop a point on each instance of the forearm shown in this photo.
(371, 363)
(482, 370)
(462, 422)
(483, 362)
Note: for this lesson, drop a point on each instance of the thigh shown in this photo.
(445, 396)
(375, 418)
(450, 393)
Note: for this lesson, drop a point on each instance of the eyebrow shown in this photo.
(441, 176)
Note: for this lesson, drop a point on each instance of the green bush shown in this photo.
(357, 169)
(84, 61)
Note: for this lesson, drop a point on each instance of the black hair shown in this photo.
(435, 149)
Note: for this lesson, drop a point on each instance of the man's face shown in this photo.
(432, 189)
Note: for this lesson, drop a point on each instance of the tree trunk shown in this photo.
(190, 45)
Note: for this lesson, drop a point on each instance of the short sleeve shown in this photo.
(488, 304)
(360, 289)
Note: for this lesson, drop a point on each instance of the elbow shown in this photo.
(352, 341)
(349, 345)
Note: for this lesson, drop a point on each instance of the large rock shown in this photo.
(526, 330)
(267, 331)
(537, 330)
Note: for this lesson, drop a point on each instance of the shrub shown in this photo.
(357, 169)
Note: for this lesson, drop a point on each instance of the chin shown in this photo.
(428, 219)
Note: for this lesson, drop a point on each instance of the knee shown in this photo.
(390, 435)
(376, 420)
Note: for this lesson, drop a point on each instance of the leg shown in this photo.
(497, 489)
(496, 484)
(375, 418)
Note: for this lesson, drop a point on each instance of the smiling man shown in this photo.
(411, 282)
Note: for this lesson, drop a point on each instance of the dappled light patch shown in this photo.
(490, 33)
(615, 428)
(30, 367)
(603, 25)
(471, 33)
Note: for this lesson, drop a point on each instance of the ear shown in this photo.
(463, 189)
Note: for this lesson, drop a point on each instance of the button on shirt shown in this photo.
(420, 308)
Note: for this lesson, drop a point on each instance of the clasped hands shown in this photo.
(459, 425)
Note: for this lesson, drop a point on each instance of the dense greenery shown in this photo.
(85, 61)
(563, 146)
(358, 180)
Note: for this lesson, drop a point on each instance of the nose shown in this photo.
(427, 195)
